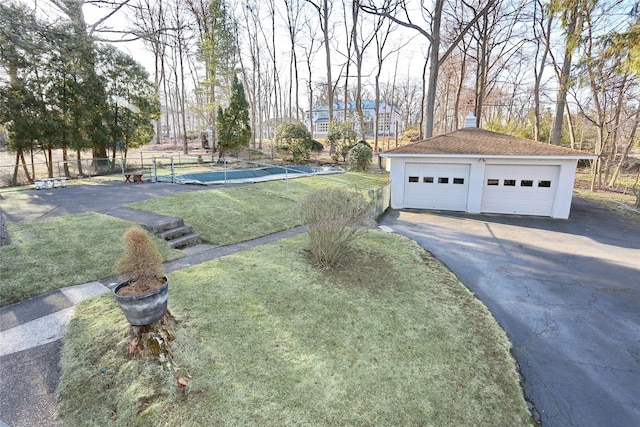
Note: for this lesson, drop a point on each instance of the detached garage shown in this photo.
(479, 171)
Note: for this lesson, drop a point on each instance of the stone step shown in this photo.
(151, 222)
(175, 232)
(169, 224)
(184, 241)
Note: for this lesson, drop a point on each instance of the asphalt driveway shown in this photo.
(567, 292)
(88, 197)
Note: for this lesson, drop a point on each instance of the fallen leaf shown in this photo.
(182, 382)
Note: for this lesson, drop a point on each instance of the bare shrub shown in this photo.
(335, 217)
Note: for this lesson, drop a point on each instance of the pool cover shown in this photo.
(231, 176)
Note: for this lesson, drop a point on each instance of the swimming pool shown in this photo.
(234, 176)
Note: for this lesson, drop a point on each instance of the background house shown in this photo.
(479, 171)
(389, 121)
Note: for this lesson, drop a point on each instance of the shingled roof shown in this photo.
(481, 142)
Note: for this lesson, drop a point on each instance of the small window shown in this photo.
(427, 180)
(443, 180)
(458, 180)
(413, 179)
(509, 182)
(526, 183)
(544, 184)
(493, 181)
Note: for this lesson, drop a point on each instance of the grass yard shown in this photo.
(234, 214)
(48, 255)
(265, 338)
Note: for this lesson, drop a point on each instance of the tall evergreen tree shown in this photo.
(234, 130)
(133, 101)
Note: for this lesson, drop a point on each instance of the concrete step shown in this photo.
(175, 232)
(184, 241)
(151, 222)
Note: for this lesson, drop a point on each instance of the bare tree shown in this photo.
(381, 38)
(609, 91)
(293, 28)
(310, 49)
(151, 27)
(251, 23)
(323, 10)
(542, 34)
(399, 12)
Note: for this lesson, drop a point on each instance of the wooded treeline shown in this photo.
(557, 71)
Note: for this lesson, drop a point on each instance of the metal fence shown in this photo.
(381, 199)
(151, 166)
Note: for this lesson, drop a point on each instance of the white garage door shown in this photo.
(519, 189)
(436, 186)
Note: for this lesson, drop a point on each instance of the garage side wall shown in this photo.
(564, 193)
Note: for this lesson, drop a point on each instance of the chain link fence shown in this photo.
(12, 175)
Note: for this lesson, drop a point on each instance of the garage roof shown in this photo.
(481, 142)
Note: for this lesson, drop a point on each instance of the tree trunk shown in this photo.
(423, 98)
(563, 84)
(456, 107)
(434, 67)
(65, 159)
(627, 149)
(327, 49)
(539, 72)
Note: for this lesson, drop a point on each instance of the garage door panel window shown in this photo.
(544, 184)
(413, 179)
(493, 182)
(458, 180)
(526, 183)
(443, 180)
(509, 182)
(427, 180)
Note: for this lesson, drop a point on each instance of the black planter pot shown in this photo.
(146, 308)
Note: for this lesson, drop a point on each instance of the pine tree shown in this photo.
(234, 130)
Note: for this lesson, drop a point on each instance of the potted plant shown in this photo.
(144, 292)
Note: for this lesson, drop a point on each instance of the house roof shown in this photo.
(351, 106)
(481, 142)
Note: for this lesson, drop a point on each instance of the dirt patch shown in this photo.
(364, 270)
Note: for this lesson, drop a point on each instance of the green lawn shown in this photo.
(234, 214)
(265, 338)
(48, 255)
